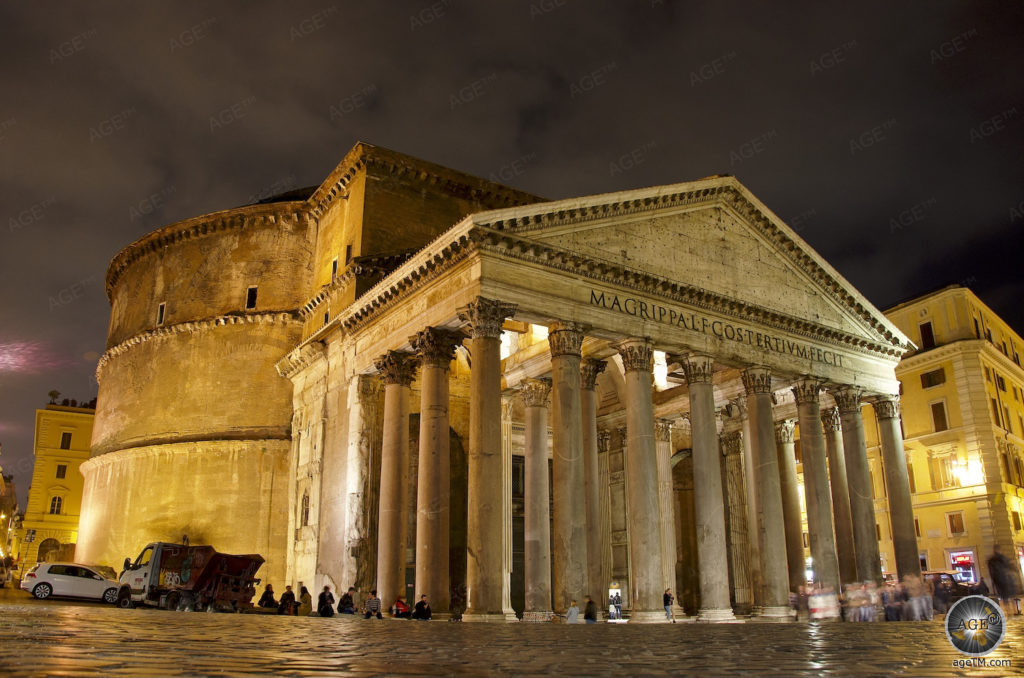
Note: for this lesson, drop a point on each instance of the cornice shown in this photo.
(193, 326)
(300, 358)
(198, 227)
(944, 352)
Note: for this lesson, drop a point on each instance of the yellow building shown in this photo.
(963, 419)
(61, 444)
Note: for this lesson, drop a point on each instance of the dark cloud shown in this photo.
(889, 134)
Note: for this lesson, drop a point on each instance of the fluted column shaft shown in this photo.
(784, 435)
(485, 577)
(816, 489)
(774, 577)
(397, 370)
(536, 505)
(897, 485)
(832, 425)
(858, 476)
(596, 578)
(750, 485)
(568, 470)
(436, 349)
(642, 484)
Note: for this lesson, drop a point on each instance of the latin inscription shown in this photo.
(718, 328)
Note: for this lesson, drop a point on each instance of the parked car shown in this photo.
(955, 581)
(69, 580)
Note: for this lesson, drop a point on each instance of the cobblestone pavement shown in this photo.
(60, 639)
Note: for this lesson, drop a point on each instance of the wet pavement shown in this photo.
(62, 638)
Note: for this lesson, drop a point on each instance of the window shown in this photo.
(878, 532)
(62, 470)
(995, 412)
(56, 503)
(977, 330)
(160, 313)
(1018, 523)
(1001, 383)
(250, 298)
(327, 317)
(943, 472)
(917, 528)
(910, 477)
(927, 336)
(65, 440)
(304, 516)
(924, 560)
(988, 375)
(348, 253)
(939, 422)
(955, 521)
(933, 378)
(1006, 419)
(806, 541)
(334, 267)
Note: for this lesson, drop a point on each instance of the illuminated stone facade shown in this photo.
(410, 314)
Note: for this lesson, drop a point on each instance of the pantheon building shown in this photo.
(415, 380)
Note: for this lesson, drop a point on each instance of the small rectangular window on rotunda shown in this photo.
(250, 298)
(160, 313)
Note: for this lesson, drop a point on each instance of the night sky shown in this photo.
(889, 135)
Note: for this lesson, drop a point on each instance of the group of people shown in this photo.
(371, 607)
(572, 615)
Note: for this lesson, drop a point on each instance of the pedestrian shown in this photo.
(267, 599)
(667, 599)
(572, 616)
(401, 608)
(325, 606)
(1002, 577)
(347, 604)
(422, 609)
(928, 595)
(589, 611)
(372, 606)
(287, 604)
(305, 602)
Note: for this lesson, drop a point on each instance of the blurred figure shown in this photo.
(267, 599)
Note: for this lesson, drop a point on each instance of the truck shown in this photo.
(183, 577)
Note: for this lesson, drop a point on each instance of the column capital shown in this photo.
(506, 407)
(604, 440)
(663, 430)
(436, 346)
(637, 355)
(566, 338)
(535, 392)
(589, 369)
(830, 420)
(847, 398)
(886, 406)
(807, 390)
(698, 368)
(397, 367)
(369, 387)
(732, 443)
(757, 380)
(784, 431)
(736, 408)
(486, 316)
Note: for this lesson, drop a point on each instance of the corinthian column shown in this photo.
(832, 425)
(397, 370)
(707, 488)
(666, 501)
(436, 349)
(858, 474)
(565, 340)
(642, 484)
(816, 490)
(485, 578)
(790, 502)
(897, 486)
(757, 382)
(596, 578)
(737, 540)
(536, 505)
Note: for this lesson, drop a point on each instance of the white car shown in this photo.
(69, 580)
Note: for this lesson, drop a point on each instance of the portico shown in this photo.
(639, 317)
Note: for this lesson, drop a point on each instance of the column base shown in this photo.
(648, 617)
(534, 616)
(717, 616)
(781, 613)
(484, 618)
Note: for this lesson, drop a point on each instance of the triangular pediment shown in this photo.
(712, 236)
